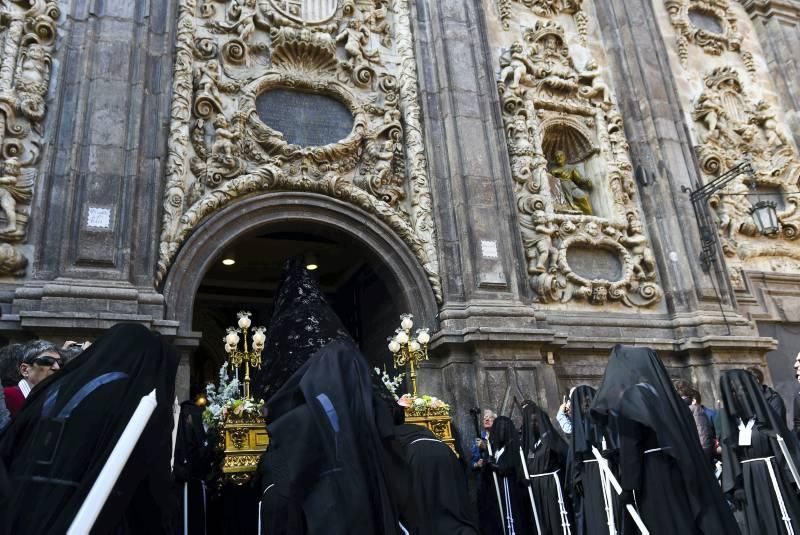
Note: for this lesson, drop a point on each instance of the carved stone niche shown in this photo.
(730, 127)
(308, 95)
(580, 224)
(709, 24)
(27, 39)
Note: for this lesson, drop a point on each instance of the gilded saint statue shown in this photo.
(574, 187)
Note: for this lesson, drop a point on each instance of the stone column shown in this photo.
(777, 24)
(94, 222)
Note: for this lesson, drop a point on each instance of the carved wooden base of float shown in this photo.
(438, 423)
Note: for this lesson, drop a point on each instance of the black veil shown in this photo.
(302, 322)
(743, 398)
(59, 442)
(536, 425)
(659, 408)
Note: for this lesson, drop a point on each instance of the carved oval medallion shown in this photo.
(309, 11)
(593, 263)
(705, 21)
(305, 119)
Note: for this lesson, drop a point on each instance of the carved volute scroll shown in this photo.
(27, 38)
(709, 24)
(580, 223)
(352, 56)
(730, 126)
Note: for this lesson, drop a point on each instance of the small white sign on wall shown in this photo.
(489, 249)
(98, 217)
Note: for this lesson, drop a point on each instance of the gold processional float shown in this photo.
(236, 417)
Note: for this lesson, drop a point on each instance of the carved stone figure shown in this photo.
(598, 88)
(33, 69)
(574, 186)
(644, 262)
(765, 118)
(224, 138)
(12, 262)
(542, 243)
(355, 37)
(11, 193)
(516, 65)
(710, 111)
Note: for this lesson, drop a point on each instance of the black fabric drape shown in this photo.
(437, 484)
(59, 442)
(302, 322)
(665, 416)
(336, 479)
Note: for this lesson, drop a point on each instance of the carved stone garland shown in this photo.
(719, 34)
(548, 103)
(731, 126)
(359, 52)
(548, 9)
(27, 38)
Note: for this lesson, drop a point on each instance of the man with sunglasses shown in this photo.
(40, 359)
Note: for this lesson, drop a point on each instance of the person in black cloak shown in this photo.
(193, 462)
(430, 484)
(504, 509)
(662, 467)
(753, 467)
(59, 442)
(584, 483)
(325, 469)
(546, 452)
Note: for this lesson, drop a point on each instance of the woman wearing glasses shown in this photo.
(40, 359)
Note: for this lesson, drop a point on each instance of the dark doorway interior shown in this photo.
(353, 281)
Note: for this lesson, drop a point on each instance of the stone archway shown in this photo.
(396, 264)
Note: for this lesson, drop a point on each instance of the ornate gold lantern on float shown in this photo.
(231, 409)
(427, 411)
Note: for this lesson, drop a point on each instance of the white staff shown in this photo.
(496, 487)
(789, 460)
(603, 464)
(87, 515)
(530, 492)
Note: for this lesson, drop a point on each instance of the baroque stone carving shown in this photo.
(547, 9)
(709, 24)
(730, 128)
(556, 113)
(357, 52)
(27, 38)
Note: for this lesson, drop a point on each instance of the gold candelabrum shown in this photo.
(250, 359)
(408, 351)
(243, 436)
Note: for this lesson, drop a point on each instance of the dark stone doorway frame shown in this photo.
(281, 211)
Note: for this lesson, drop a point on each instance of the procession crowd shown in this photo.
(638, 454)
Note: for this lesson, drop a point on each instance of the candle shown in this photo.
(93, 504)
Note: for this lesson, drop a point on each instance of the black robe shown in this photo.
(742, 471)
(650, 414)
(513, 507)
(59, 442)
(325, 470)
(583, 484)
(545, 451)
(193, 463)
(437, 495)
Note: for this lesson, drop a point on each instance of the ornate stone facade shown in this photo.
(562, 123)
(709, 24)
(359, 53)
(27, 40)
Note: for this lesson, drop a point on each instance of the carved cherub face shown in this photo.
(634, 226)
(591, 65)
(516, 47)
(539, 217)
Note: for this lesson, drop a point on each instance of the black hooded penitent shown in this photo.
(545, 451)
(660, 455)
(583, 482)
(745, 468)
(58, 444)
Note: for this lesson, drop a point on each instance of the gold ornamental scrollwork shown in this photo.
(359, 52)
(573, 177)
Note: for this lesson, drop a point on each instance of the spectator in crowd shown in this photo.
(479, 452)
(564, 414)
(39, 360)
(705, 430)
(10, 359)
(773, 398)
(6, 357)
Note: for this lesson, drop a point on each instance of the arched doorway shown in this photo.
(370, 275)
